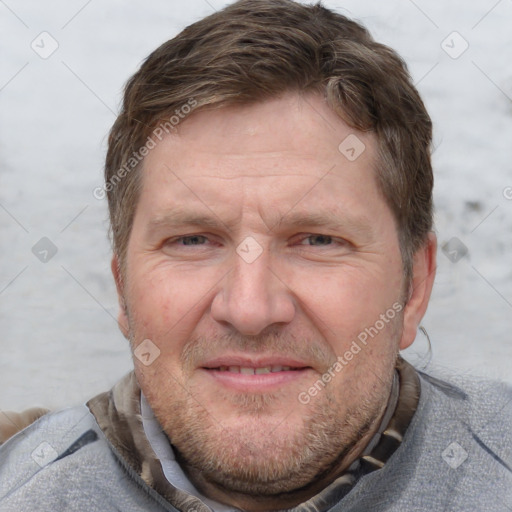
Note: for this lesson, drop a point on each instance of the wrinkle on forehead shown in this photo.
(278, 135)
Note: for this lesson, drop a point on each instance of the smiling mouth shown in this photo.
(246, 370)
(264, 373)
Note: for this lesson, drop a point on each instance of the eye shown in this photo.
(192, 240)
(318, 240)
(320, 244)
(194, 246)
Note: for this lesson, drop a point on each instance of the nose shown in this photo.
(253, 297)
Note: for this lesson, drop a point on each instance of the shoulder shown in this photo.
(464, 428)
(55, 463)
(456, 454)
(62, 462)
(40, 444)
(475, 404)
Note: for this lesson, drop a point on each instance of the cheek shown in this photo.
(166, 304)
(346, 300)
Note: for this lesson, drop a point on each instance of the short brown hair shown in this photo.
(255, 50)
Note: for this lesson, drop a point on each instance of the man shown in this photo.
(270, 194)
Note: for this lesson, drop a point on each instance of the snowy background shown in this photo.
(59, 341)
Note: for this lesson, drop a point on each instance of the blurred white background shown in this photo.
(59, 341)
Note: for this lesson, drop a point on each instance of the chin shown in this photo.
(259, 448)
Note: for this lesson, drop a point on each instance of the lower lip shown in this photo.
(258, 382)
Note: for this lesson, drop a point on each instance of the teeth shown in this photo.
(259, 371)
(254, 371)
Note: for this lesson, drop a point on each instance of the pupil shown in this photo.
(320, 240)
(192, 240)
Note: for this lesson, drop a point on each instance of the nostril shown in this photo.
(250, 300)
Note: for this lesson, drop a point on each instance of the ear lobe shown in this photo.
(424, 272)
(122, 317)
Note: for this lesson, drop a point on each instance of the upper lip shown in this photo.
(253, 362)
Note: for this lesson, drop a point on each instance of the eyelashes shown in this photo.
(195, 246)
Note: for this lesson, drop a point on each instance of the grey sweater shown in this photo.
(456, 456)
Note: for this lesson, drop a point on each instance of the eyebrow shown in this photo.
(326, 219)
(181, 217)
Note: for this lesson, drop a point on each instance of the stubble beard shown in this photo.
(263, 456)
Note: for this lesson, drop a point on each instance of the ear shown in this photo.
(122, 317)
(423, 274)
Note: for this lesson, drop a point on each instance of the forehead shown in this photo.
(298, 127)
(291, 151)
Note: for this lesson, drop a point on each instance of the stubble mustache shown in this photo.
(313, 352)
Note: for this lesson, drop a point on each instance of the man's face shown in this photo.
(259, 253)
